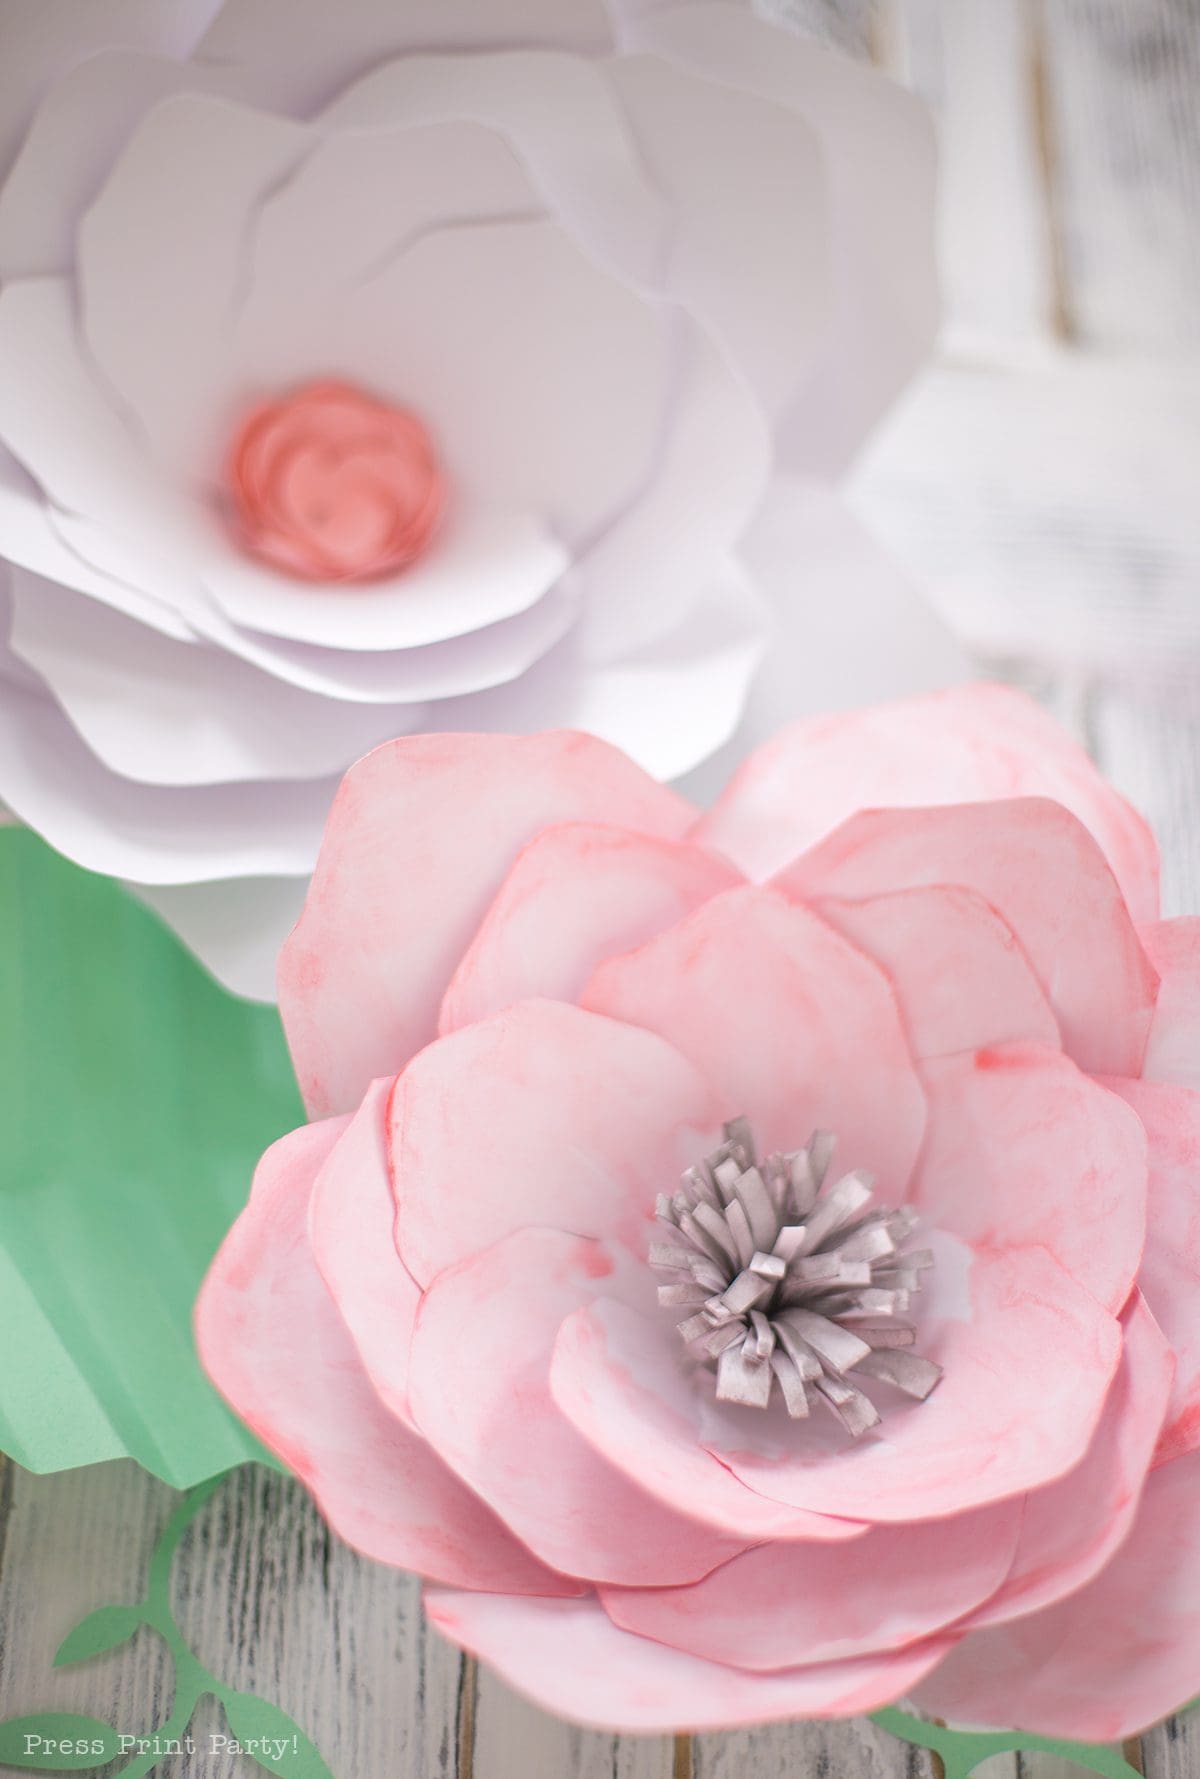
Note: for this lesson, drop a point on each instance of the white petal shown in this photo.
(668, 706)
(52, 781)
(749, 192)
(236, 928)
(161, 261)
(57, 423)
(327, 46)
(877, 144)
(561, 116)
(163, 712)
(75, 136)
(542, 378)
(484, 564)
(712, 470)
(43, 39)
(848, 628)
(328, 229)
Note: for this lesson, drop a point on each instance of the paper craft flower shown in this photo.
(529, 989)
(374, 368)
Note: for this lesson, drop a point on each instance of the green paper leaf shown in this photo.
(135, 1099)
(106, 1628)
(62, 1742)
(274, 1740)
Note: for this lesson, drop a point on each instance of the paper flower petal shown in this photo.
(356, 1008)
(964, 745)
(1026, 1372)
(571, 1659)
(1023, 1148)
(542, 1115)
(959, 975)
(1080, 941)
(775, 1008)
(575, 895)
(1170, 1272)
(275, 1346)
(1071, 1528)
(480, 1393)
(1114, 1657)
(616, 1375)
(781, 1607)
(1173, 1051)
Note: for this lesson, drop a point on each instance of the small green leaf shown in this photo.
(272, 1738)
(106, 1628)
(57, 1742)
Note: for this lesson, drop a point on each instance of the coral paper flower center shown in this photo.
(330, 484)
(792, 1282)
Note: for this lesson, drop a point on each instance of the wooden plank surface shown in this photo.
(1040, 481)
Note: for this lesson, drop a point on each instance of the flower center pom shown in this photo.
(329, 484)
(792, 1282)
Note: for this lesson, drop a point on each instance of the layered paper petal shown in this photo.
(1170, 1272)
(1070, 1529)
(780, 1607)
(1111, 1660)
(964, 745)
(480, 1392)
(1173, 1051)
(1024, 1149)
(541, 1115)
(570, 1658)
(362, 976)
(1066, 912)
(275, 1346)
(618, 1377)
(775, 1008)
(575, 895)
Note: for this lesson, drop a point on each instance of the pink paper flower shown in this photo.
(528, 989)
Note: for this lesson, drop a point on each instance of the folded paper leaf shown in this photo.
(134, 1096)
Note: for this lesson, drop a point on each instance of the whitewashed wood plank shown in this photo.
(268, 1599)
(854, 1750)
(514, 1740)
(1048, 506)
(974, 63)
(1123, 77)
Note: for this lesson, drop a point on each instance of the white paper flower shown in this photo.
(577, 283)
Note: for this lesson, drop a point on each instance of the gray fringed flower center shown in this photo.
(791, 1281)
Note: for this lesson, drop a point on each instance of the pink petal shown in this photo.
(1170, 1274)
(351, 1221)
(576, 895)
(276, 1348)
(1045, 877)
(1173, 1053)
(794, 1027)
(969, 744)
(420, 837)
(1025, 1381)
(569, 1658)
(543, 1114)
(1111, 1660)
(1024, 1148)
(1071, 1529)
(781, 1606)
(618, 1377)
(959, 975)
(481, 1393)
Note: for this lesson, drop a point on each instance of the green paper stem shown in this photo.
(250, 1718)
(961, 1751)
